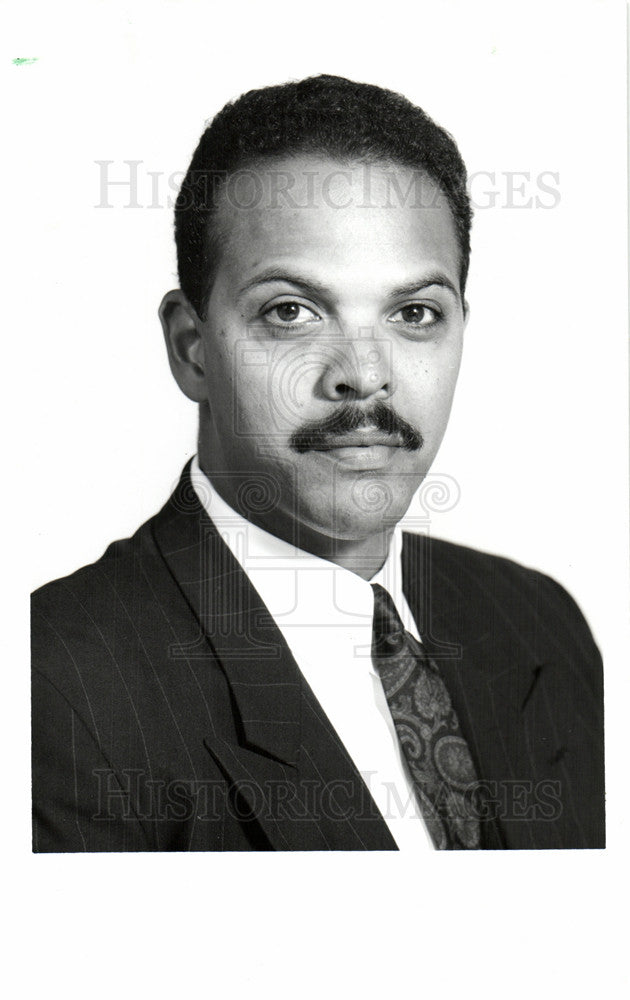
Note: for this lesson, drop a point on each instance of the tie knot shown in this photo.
(387, 626)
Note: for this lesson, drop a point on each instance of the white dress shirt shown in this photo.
(324, 613)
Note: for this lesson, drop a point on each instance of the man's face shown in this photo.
(332, 343)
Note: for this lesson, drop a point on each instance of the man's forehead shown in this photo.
(309, 207)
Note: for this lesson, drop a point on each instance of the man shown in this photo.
(269, 663)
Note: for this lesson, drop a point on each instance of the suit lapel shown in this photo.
(235, 624)
(273, 742)
(487, 670)
(491, 668)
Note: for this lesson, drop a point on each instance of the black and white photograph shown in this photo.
(323, 480)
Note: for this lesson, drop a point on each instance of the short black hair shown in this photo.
(324, 115)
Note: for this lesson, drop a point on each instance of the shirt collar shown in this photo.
(314, 590)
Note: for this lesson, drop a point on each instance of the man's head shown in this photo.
(323, 243)
(327, 116)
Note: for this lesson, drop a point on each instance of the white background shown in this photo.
(97, 432)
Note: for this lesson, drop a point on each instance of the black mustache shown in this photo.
(350, 418)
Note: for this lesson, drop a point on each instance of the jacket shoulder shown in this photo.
(461, 559)
(462, 564)
(89, 616)
(481, 587)
(91, 584)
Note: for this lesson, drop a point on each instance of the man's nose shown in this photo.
(359, 368)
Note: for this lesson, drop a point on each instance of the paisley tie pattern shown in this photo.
(428, 730)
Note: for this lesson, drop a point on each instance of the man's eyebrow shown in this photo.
(310, 285)
(426, 280)
(274, 274)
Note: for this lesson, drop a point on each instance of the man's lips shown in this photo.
(357, 439)
(362, 451)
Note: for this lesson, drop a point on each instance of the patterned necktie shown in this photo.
(428, 730)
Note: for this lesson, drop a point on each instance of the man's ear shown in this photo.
(182, 333)
(466, 313)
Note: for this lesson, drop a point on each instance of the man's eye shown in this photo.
(290, 313)
(416, 314)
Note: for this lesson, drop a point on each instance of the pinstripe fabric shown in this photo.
(168, 713)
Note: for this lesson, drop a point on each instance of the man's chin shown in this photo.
(372, 510)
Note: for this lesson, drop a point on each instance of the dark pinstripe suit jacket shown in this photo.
(169, 714)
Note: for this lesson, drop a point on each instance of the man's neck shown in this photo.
(361, 556)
